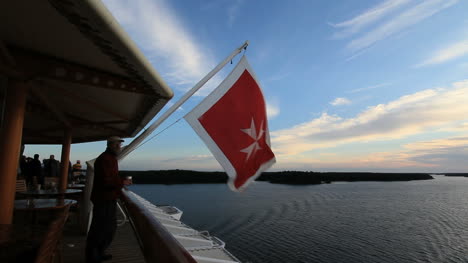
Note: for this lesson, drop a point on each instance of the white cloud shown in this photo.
(368, 17)
(162, 35)
(387, 19)
(273, 110)
(400, 22)
(369, 88)
(448, 53)
(409, 115)
(233, 11)
(340, 101)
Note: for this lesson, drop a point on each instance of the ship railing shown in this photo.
(158, 245)
(124, 219)
(213, 260)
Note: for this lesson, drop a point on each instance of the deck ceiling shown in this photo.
(82, 69)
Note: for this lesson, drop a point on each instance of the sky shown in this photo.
(350, 85)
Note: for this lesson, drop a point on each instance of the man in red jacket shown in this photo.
(107, 188)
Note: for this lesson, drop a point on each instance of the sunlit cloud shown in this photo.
(159, 31)
(340, 101)
(449, 154)
(446, 54)
(409, 115)
(368, 17)
(438, 155)
(438, 144)
(387, 19)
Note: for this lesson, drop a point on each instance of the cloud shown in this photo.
(438, 155)
(387, 19)
(233, 11)
(461, 127)
(340, 101)
(273, 109)
(409, 115)
(370, 16)
(440, 144)
(369, 88)
(400, 22)
(190, 162)
(277, 77)
(446, 54)
(449, 154)
(162, 35)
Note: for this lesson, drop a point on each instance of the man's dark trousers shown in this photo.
(102, 230)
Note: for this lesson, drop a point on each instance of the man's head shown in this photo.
(36, 156)
(114, 144)
(52, 157)
(78, 161)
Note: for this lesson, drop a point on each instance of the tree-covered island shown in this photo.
(284, 177)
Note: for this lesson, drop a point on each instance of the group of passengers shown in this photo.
(34, 172)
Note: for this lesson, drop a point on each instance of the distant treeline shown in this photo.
(295, 177)
(176, 177)
(457, 174)
(284, 177)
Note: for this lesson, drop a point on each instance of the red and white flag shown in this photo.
(232, 121)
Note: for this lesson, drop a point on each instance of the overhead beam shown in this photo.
(11, 72)
(48, 67)
(8, 64)
(97, 125)
(57, 140)
(33, 133)
(51, 107)
(78, 97)
(81, 124)
(6, 56)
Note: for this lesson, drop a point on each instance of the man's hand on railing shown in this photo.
(127, 181)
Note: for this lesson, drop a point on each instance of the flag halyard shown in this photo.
(232, 121)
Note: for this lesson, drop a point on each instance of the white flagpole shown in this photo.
(138, 140)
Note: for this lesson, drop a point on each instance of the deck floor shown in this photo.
(124, 248)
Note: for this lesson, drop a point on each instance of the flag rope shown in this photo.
(137, 141)
(152, 137)
(159, 133)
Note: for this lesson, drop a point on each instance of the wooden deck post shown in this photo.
(10, 145)
(65, 159)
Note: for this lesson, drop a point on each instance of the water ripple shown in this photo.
(344, 222)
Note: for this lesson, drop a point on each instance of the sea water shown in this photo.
(415, 221)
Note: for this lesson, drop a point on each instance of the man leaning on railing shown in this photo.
(106, 190)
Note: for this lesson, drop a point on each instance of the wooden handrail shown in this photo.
(158, 245)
